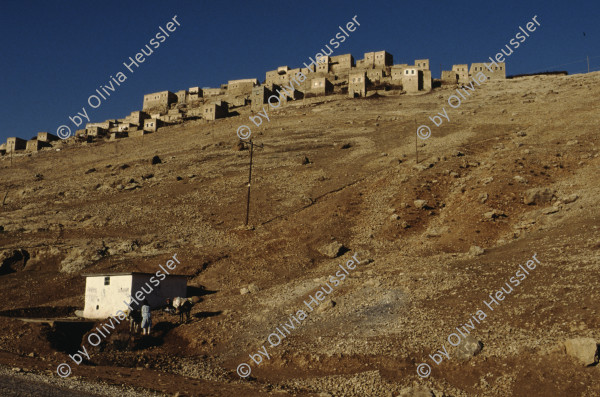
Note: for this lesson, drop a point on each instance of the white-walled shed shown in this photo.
(107, 293)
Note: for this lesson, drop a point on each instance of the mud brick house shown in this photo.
(321, 86)
(194, 94)
(152, 124)
(462, 70)
(241, 87)
(46, 137)
(498, 70)
(13, 144)
(159, 100)
(357, 84)
(107, 293)
(215, 110)
(259, 97)
(34, 145)
(341, 63)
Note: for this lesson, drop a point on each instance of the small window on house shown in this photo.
(107, 280)
(413, 72)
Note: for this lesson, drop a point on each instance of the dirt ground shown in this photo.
(425, 267)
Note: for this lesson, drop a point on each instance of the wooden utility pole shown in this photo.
(416, 142)
(249, 181)
(588, 61)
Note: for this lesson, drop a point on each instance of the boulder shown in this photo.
(156, 160)
(476, 250)
(416, 391)
(420, 204)
(468, 348)
(333, 250)
(538, 196)
(583, 349)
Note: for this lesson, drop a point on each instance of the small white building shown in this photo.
(107, 293)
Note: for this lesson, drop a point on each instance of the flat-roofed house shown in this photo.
(34, 145)
(14, 144)
(160, 99)
(462, 70)
(215, 110)
(259, 97)
(46, 137)
(498, 70)
(357, 84)
(321, 86)
(342, 63)
(107, 293)
(152, 124)
(241, 87)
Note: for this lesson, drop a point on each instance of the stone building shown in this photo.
(321, 86)
(422, 64)
(375, 59)
(34, 145)
(208, 92)
(449, 77)
(241, 87)
(194, 94)
(462, 70)
(46, 137)
(259, 97)
(152, 125)
(498, 71)
(159, 100)
(357, 84)
(182, 96)
(95, 131)
(342, 63)
(215, 110)
(412, 80)
(375, 75)
(13, 144)
(136, 118)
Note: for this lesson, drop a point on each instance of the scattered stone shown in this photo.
(494, 214)
(333, 250)
(395, 217)
(571, 143)
(305, 161)
(416, 391)
(346, 146)
(521, 133)
(38, 177)
(156, 160)
(124, 166)
(147, 176)
(90, 171)
(538, 196)
(520, 179)
(404, 225)
(191, 176)
(487, 180)
(244, 291)
(420, 204)
(550, 210)
(253, 288)
(583, 349)
(476, 250)
(570, 199)
(468, 348)
(328, 304)
(483, 197)
(179, 178)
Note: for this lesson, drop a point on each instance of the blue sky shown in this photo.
(56, 54)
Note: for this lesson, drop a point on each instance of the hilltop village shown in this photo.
(329, 75)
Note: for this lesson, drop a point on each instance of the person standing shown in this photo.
(146, 318)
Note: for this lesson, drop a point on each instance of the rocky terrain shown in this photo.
(513, 174)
